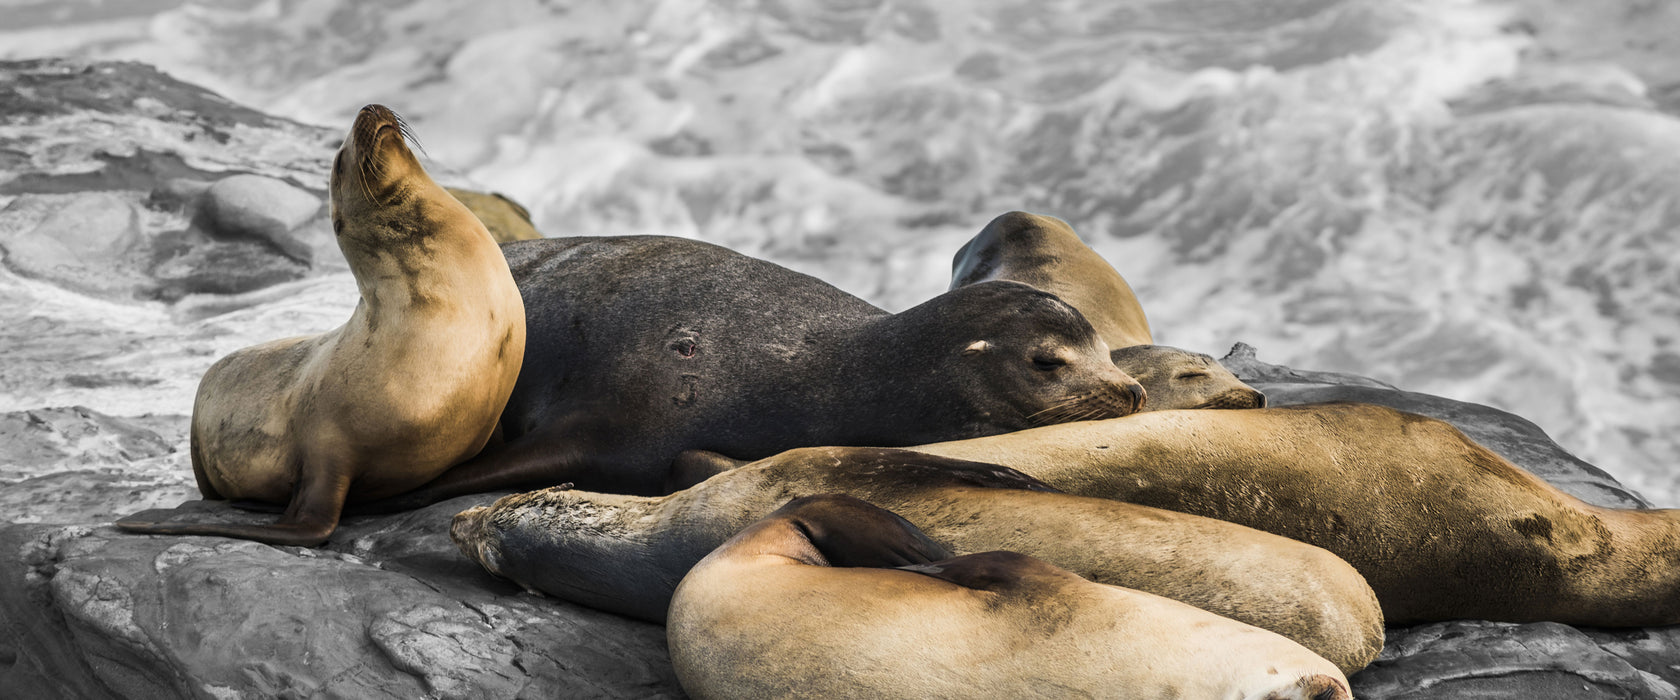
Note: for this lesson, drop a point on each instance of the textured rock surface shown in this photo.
(389, 611)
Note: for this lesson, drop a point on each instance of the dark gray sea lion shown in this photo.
(642, 347)
(1440, 526)
(625, 554)
(411, 385)
(801, 604)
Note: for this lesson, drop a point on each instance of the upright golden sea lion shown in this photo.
(1440, 526)
(800, 605)
(412, 384)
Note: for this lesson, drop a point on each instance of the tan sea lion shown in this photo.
(1180, 379)
(1044, 252)
(801, 604)
(625, 554)
(506, 220)
(411, 385)
(1440, 526)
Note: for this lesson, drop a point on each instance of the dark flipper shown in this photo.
(534, 461)
(997, 572)
(850, 532)
(308, 521)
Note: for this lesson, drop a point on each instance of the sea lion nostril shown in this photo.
(1259, 399)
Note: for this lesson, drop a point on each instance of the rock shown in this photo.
(87, 241)
(259, 208)
(504, 217)
(103, 166)
(224, 268)
(77, 465)
(386, 612)
(1486, 660)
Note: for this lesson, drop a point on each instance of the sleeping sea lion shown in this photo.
(804, 604)
(1044, 252)
(625, 554)
(1440, 526)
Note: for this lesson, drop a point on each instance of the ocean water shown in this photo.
(1470, 198)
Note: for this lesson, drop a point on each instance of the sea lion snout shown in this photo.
(468, 532)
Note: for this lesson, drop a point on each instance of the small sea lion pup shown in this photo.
(803, 604)
(1440, 526)
(1044, 252)
(409, 386)
(625, 554)
(642, 347)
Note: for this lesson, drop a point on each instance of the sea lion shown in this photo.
(409, 386)
(1175, 379)
(641, 347)
(1044, 252)
(1440, 526)
(802, 604)
(625, 554)
(505, 219)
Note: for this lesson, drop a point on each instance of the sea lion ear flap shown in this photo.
(976, 347)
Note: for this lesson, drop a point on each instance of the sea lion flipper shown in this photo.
(529, 463)
(851, 532)
(309, 519)
(996, 572)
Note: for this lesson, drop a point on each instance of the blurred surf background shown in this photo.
(1472, 198)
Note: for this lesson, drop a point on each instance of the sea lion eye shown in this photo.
(1192, 375)
(1048, 364)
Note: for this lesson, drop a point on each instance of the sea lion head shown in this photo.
(1037, 358)
(1178, 379)
(380, 192)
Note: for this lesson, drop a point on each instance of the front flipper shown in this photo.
(309, 519)
(532, 462)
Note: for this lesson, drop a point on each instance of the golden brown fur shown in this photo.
(772, 613)
(412, 384)
(1441, 527)
(1043, 251)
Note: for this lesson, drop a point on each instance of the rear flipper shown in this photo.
(308, 521)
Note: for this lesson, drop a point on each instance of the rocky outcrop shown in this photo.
(120, 182)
